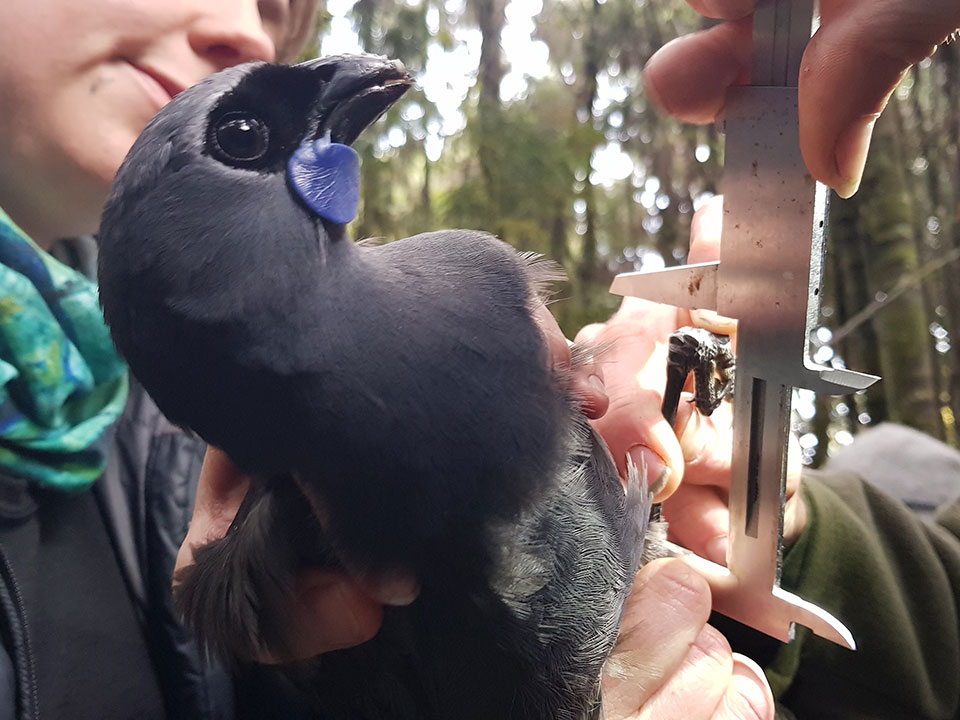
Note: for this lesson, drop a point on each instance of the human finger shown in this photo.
(795, 518)
(748, 695)
(706, 443)
(695, 690)
(634, 373)
(590, 333)
(669, 663)
(689, 76)
(705, 234)
(220, 491)
(699, 520)
(558, 349)
(586, 376)
(851, 67)
(588, 386)
(331, 609)
(696, 519)
(705, 231)
(664, 615)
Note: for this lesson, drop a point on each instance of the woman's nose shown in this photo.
(230, 33)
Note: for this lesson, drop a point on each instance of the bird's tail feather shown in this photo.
(239, 594)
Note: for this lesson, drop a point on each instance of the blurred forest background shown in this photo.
(530, 121)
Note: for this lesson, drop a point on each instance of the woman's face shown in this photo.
(79, 80)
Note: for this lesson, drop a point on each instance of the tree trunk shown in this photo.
(931, 103)
(491, 18)
(884, 219)
(950, 56)
(558, 233)
(921, 193)
(847, 283)
(587, 94)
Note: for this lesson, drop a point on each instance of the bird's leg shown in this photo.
(678, 367)
(710, 359)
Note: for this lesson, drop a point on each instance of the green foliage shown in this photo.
(532, 167)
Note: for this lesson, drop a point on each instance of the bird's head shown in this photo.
(410, 378)
(229, 201)
(262, 118)
(269, 143)
(299, 122)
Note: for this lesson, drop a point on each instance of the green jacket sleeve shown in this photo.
(895, 582)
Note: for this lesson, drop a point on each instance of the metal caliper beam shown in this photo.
(769, 279)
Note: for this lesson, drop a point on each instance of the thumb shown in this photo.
(851, 67)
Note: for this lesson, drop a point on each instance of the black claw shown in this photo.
(709, 358)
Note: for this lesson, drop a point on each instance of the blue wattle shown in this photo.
(326, 176)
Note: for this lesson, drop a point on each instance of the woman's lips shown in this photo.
(160, 88)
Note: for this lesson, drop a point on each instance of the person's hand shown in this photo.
(334, 610)
(849, 69)
(586, 378)
(668, 663)
(697, 450)
(634, 368)
(698, 512)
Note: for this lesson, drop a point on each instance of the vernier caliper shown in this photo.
(769, 279)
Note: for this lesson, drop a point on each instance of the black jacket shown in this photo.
(85, 612)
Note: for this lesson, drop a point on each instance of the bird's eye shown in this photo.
(241, 137)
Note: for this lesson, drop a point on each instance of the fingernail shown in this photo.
(594, 399)
(850, 154)
(596, 382)
(752, 688)
(396, 591)
(598, 400)
(716, 550)
(660, 483)
(657, 472)
(677, 75)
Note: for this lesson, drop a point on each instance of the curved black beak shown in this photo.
(356, 91)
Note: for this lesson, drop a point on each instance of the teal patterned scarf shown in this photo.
(61, 382)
